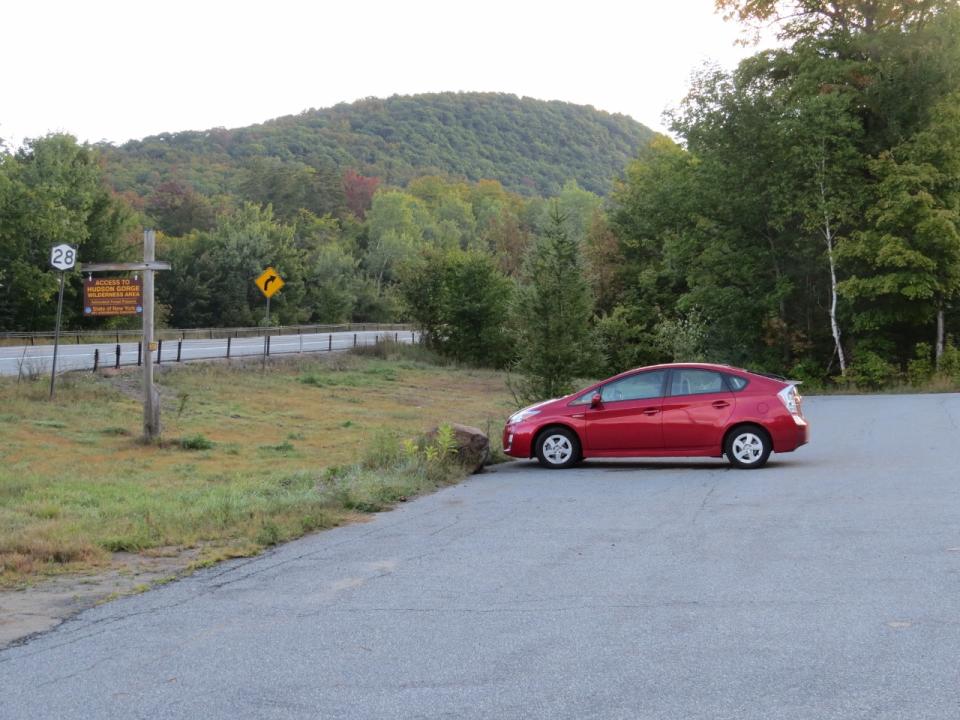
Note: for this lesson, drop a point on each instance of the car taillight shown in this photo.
(791, 399)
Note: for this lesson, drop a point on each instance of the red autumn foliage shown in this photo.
(358, 190)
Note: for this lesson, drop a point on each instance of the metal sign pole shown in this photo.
(56, 337)
(269, 282)
(266, 335)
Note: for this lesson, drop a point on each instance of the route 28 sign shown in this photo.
(63, 257)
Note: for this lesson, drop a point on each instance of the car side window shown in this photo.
(690, 381)
(641, 386)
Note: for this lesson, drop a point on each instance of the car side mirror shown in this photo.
(596, 401)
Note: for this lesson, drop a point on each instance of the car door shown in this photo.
(696, 409)
(628, 416)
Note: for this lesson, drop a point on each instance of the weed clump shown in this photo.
(195, 442)
(393, 471)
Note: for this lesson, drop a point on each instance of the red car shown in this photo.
(677, 410)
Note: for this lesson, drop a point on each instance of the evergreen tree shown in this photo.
(552, 314)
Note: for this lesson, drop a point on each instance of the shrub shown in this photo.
(950, 362)
(869, 371)
(195, 442)
(920, 367)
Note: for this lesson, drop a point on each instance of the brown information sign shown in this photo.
(112, 296)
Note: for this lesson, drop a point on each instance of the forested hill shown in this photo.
(530, 146)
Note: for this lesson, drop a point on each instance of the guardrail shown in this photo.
(78, 337)
(30, 361)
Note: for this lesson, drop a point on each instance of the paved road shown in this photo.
(825, 586)
(38, 359)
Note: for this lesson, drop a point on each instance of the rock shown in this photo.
(109, 372)
(473, 445)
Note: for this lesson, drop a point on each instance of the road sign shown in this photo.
(269, 282)
(112, 296)
(63, 257)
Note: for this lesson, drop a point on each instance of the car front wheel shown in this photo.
(558, 448)
(748, 447)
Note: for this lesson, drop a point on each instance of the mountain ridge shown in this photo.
(530, 146)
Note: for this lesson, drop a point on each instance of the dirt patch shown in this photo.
(46, 603)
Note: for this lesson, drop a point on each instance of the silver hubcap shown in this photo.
(747, 448)
(557, 449)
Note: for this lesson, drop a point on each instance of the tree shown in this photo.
(460, 301)
(289, 187)
(905, 265)
(52, 192)
(802, 18)
(358, 191)
(212, 278)
(177, 209)
(552, 313)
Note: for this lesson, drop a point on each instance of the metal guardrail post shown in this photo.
(179, 348)
(96, 359)
(159, 350)
(139, 353)
(268, 345)
(354, 339)
(116, 363)
(228, 347)
(329, 343)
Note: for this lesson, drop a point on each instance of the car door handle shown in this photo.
(720, 404)
(651, 411)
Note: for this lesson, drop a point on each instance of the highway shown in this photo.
(36, 360)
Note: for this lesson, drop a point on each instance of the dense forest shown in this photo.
(805, 220)
(530, 146)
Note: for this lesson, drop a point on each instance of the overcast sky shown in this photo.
(115, 70)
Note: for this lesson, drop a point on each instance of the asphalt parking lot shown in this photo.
(826, 585)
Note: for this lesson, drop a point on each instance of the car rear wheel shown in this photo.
(748, 447)
(558, 448)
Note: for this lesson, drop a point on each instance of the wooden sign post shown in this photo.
(151, 398)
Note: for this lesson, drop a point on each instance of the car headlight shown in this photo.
(522, 415)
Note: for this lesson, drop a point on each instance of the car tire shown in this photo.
(748, 447)
(558, 448)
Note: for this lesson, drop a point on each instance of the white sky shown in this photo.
(120, 69)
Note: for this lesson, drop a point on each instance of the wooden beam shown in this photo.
(124, 267)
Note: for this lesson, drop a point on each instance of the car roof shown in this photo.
(666, 366)
(718, 367)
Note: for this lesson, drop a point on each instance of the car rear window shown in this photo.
(736, 382)
(690, 381)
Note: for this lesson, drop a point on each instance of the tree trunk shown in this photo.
(828, 236)
(940, 338)
(834, 326)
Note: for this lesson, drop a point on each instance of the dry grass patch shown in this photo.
(245, 461)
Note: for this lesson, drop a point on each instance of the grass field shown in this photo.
(248, 458)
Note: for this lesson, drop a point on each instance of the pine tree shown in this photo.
(552, 315)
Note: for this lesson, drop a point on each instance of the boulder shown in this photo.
(473, 445)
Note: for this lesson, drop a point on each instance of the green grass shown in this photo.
(244, 462)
